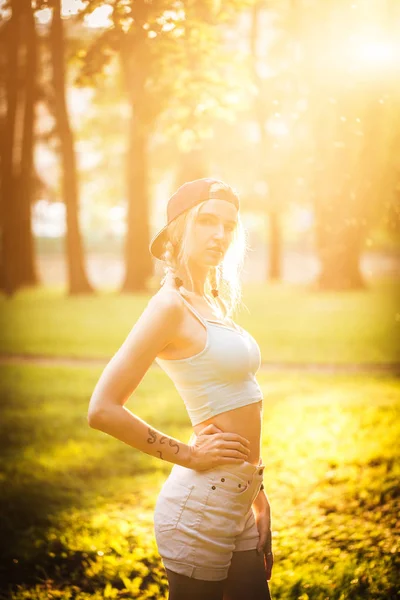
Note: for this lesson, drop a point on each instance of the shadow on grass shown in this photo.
(57, 567)
(31, 506)
(52, 464)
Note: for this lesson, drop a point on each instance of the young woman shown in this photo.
(212, 518)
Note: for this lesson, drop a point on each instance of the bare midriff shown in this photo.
(245, 421)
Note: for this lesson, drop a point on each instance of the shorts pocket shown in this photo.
(226, 507)
(229, 485)
(170, 504)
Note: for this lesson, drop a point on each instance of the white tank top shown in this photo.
(220, 377)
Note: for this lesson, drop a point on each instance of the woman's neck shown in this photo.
(195, 284)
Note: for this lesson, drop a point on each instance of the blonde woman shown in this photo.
(212, 519)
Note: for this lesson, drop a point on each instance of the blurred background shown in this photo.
(106, 107)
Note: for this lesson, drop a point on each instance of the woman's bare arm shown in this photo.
(122, 424)
(154, 330)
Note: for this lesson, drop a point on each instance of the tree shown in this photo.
(349, 125)
(19, 73)
(336, 107)
(171, 64)
(77, 277)
(274, 154)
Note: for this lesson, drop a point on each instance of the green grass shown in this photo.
(76, 505)
(291, 323)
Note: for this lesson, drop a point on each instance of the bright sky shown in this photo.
(98, 18)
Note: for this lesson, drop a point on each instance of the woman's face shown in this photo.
(212, 232)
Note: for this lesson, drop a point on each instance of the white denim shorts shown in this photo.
(202, 517)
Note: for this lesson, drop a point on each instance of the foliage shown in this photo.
(174, 62)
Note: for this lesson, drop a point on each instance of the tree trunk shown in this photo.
(77, 278)
(26, 183)
(338, 247)
(138, 261)
(137, 256)
(17, 256)
(3, 94)
(272, 221)
(8, 198)
(339, 233)
(347, 184)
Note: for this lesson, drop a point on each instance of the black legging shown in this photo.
(246, 581)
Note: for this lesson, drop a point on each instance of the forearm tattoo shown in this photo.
(153, 437)
(163, 439)
(174, 445)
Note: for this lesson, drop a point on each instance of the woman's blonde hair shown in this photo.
(226, 277)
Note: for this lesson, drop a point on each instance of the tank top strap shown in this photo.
(192, 308)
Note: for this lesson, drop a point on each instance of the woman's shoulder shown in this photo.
(163, 313)
(168, 299)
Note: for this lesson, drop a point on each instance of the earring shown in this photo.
(214, 289)
(178, 282)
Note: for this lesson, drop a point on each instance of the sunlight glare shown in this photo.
(375, 52)
(277, 127)
(100, 17)
(69, 7)
(43, 16)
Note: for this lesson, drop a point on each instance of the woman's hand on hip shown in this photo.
(213, 448)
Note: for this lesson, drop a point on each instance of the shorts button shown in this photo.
(222, 478)
(213, 487)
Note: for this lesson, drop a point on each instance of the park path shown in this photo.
(327, 368)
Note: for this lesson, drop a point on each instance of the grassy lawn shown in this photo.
(291, 323)
(76, 505)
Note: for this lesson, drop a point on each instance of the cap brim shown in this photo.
(156, 246)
